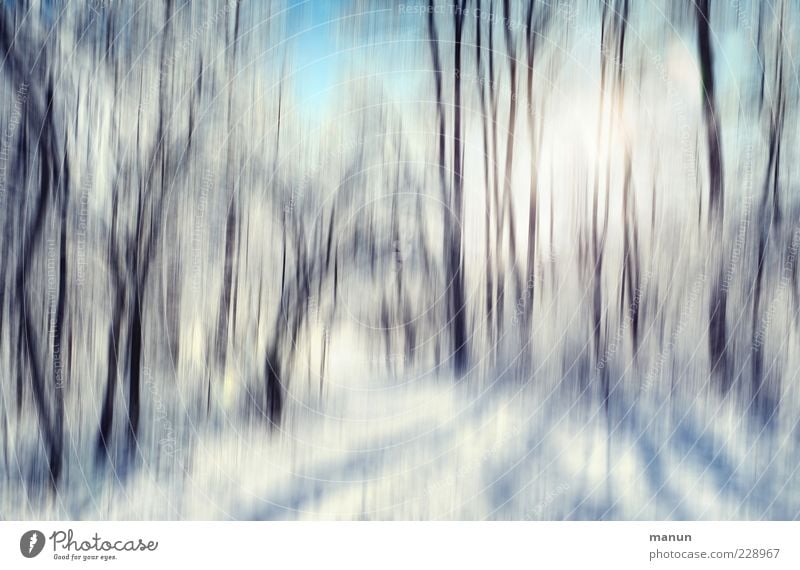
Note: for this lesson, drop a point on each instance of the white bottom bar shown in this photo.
(403, 545)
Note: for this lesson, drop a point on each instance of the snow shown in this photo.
(420, 448)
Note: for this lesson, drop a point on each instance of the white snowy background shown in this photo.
(483, 259)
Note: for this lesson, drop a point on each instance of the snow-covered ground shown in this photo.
(379, 447)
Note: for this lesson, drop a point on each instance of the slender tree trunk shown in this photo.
(718, 330)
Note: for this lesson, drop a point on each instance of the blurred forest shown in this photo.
(370, 259)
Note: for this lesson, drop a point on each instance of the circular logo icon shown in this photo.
(31, 543)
